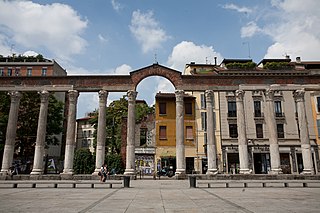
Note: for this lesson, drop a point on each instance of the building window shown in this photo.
(162, 132)
(204, 121)
(84, 143)
(143, 136)
(9, 72)
(280, 130)
(233, 131)
(318, 126)
(278, 108)
(17, 72)
(85, 134)
(90, 134)
(203, 101)
(44, 71)
(318, 104)
(89, 142)
(259, 130)
(1, 72)
(29, 71)
(188, 108)
(163, 108)
(257, 108)
(232, 109)
(189, 131)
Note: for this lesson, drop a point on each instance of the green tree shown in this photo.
(84, 162)
(115, 113)
(28, 122)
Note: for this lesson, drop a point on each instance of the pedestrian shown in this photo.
(104, 172)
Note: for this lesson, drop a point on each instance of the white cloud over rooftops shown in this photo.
(237, 8)
(29, 25)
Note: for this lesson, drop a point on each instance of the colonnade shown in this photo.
(270, 120)
(180, 147)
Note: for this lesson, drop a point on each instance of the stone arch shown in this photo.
(156, 70)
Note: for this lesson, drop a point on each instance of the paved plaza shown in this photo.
(159, 196)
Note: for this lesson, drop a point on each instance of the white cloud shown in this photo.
(237, 8)
(124, 69)
(249, 30)
(56, 27)
(147, 31)
(116, 5)
(294, 29)
(30, 53)
(102, 38)
(186, 52)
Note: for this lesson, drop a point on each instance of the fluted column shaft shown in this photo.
(11, 132)
(130, 154)
(41, 134)
(273, 135)
(304, 132)
(242, 133)
(70, 138)
(180, 152)
(101, 132)
(211, 142)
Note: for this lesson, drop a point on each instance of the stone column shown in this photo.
(242, 134)
(41, 134)
(304, 132)
(101, 132)
(180, 152)
(131, 123)
(11, 132)
(211, 142)
(71, 130)
(273, 134)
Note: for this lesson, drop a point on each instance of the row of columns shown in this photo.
(273, 137)
(180, 148)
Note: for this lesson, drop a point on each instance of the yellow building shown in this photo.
(166, 131)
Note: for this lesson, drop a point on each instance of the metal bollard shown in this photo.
(126, 181)
(193, 181)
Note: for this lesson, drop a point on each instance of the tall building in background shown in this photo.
(166, 131)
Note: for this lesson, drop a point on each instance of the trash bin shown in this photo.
(126, 181)
(193, 181)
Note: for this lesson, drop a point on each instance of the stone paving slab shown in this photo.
(159, 196)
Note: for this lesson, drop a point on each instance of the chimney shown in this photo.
(215, 60)
(298, 60)
(287, 56)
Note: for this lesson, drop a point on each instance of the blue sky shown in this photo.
(117, 36)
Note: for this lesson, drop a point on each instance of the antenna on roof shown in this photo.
(11, 49)
(248, 44)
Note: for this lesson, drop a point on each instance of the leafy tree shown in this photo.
(114, 116)
(28, 122)
(84, 162)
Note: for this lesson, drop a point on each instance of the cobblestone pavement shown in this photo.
(159, 196)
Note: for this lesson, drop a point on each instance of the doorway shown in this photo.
(261, 163)
(233, 163)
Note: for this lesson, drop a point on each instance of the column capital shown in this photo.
(269, 94)
(44, 96)
(15, 96)
(132, 95)
(209, 95)
(299, 95)
(103, 94)
(239, 94)
(73, 95)
(179, 95)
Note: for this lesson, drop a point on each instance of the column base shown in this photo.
(307, 172)
(212, 172)
(245, 171)
(36, 172)
(275, 172)
(129, 172)
(66, 176)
